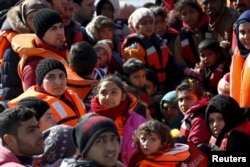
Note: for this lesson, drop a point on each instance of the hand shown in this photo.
(193, 73)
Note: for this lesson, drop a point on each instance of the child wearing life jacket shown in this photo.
(229, 128)
(213, 64)
(156, 147)
(195, 29)
(192, 104)
(147, 46)
(112, 101)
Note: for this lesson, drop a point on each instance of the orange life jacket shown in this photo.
(239, 79)
(5, 40)
(63, 113)
(81, 86)
(154, 59)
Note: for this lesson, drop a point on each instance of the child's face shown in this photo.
(110, 95)
(107, 10)
(208, 57)
(150, 87)
(103, 57)
(105, 149)
(186, 99)
(106, 33)
(190, 16)
(244, 34)
(169, 112)
(138, 78)
(160, 25)
(150, 144)
(216, 123)
(146, 26)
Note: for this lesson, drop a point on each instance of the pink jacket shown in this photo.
(128, 145)
(7, 158)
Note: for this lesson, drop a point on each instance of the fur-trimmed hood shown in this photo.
(14, 18)
(114, 3)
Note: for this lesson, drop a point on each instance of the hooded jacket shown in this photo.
(235, 136)
(12, 86)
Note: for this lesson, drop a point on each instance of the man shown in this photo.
(48, 41)
(57, 5)
(85, 10)
(74, 32)
(221, 21)
(242, 5)
(97, 140)
(20, 136)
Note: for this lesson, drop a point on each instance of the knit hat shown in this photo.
(58, 144)
(105, 46)
(44, 19)
(29, 6)
(137, 15)
(38, 105)
(169, 97)
(45, 66)
(89, 128)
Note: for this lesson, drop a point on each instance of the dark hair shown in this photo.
(192, 3)
(77, 2)
(141, 109)
(148, 5)
(159, 11)
(115, 79)
(157, 127)
(151, 76)
(11, 119)
(82, 58)
(211, 44)
(191, 85)
(132, 65)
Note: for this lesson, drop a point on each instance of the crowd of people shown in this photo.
(102, 83)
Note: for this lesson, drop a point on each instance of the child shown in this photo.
(135, 76)
(162, 28)
(225, 121)
(112, 101)
(104, 55)
(192, 104)
(195, 29)
(212, 64)
(156, 147)
(83, 60)
(172, 115)
(239, 70)
(148, 47)
(101, 28)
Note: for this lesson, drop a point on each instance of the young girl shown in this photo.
(195, 29)
(192, 104)
(113, 101)
(225, 121)
(51, 81)
(156, 147)
(213, 64)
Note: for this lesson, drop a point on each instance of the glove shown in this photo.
(192, 73)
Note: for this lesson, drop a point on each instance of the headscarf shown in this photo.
(244, 17)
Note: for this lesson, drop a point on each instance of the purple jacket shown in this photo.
(128, 144)
(7, 158)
